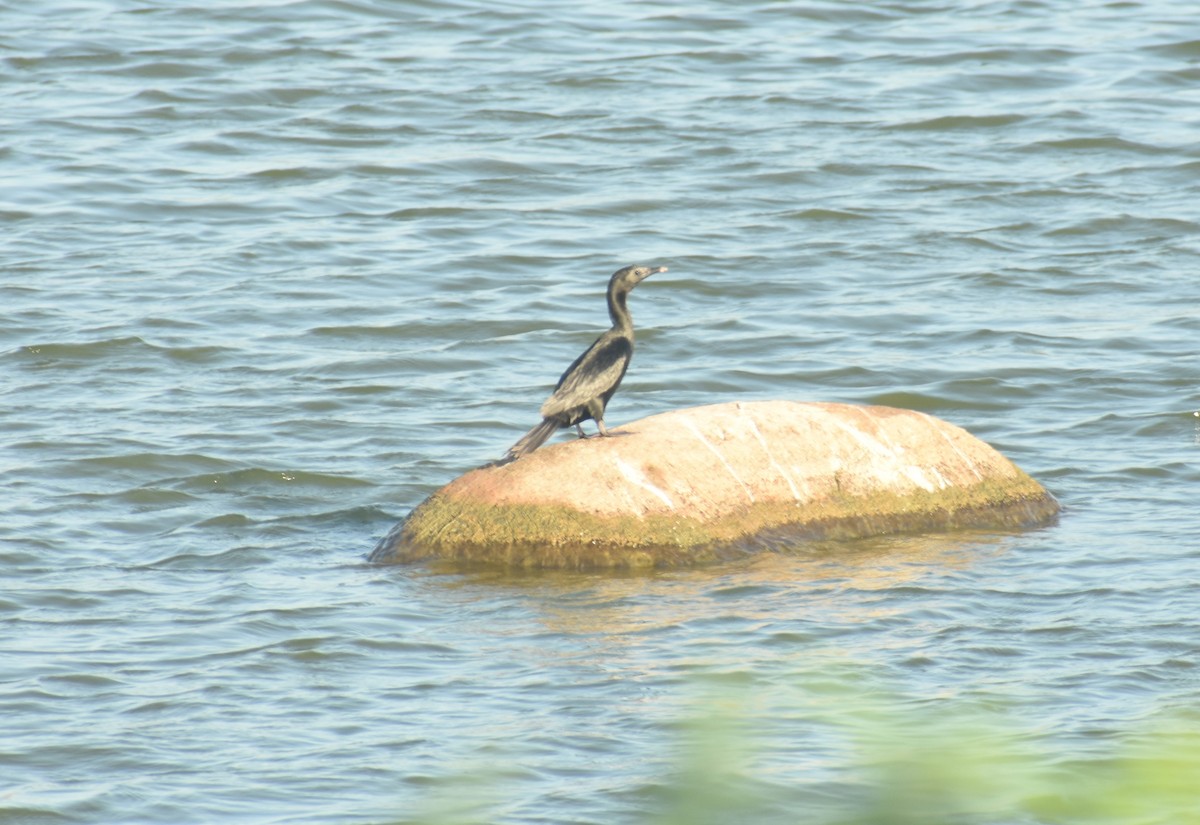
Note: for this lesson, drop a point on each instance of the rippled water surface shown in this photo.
(272, 272)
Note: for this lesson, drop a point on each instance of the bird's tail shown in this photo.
(531, 440)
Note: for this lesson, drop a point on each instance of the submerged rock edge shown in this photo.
(448, 528)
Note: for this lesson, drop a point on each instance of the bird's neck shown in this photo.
(618, 311)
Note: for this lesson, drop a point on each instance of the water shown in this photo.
(273, 272)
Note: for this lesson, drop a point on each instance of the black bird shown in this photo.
(584, 389)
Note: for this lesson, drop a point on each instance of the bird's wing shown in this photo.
(592, 374)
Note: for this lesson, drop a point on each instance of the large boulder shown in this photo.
(703, 483)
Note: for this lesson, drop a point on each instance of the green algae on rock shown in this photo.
(701, 484)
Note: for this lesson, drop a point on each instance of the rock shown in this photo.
(701, 484)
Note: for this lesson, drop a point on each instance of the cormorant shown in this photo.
(584, 389)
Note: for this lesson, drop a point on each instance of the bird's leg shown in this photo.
(596, 410)
(579, 426)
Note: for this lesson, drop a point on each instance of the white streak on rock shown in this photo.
(918, 478)
(943, 482)
(774, 463)
(937, 427)
(635, 476)
(696, 431)
(895, 467)
(873, 445)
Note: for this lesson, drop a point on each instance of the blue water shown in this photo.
(273, 272)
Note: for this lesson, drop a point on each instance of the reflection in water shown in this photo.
(823, 583)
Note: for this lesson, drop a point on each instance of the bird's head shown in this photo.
(630, 276)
